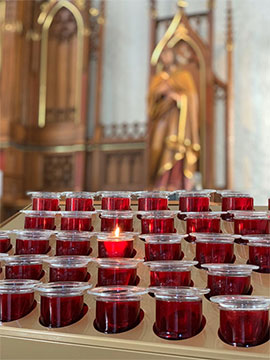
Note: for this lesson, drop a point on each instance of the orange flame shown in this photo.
(117, 231)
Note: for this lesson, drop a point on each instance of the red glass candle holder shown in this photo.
(39, 220)
(24, 267)
(237, 202)
(79, 201)
(251, 222)
(163, 247)
(48, 201)
(194, 201)
(179, 312)
(117, 308)
(209, 250)
(61, 303)
(208, 222)
(111, 220)
(5, 244)
(152, 200)
(157, 222)
(170, 273)
(68, 268)
(77, 220)
(16, 298)
(229, 279)
(32, 241)
(111, 200)
(111, 245)
(73, 243)
(244, 320)
(117, 271)
(259, 253)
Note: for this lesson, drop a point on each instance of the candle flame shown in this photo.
(117, 231)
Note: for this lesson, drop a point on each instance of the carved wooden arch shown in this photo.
(180, 30)
(44, 53)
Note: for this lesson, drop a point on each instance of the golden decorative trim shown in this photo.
(33, 35)
(13, 27)
(169, 33)
(93, 11)
(2, 19)
(44, 53)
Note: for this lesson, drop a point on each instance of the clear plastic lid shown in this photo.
(5, 234)
(63, 289)
(259, 243)
(74, 235)
(256, 237)
(77, 214)
(152, 194)
(241, 302)
(211, 240)
(44, 195)
(157, 214)
(215, 235)
(78, 194)
(114, 214)
(178, 293)
(3, 256)
(33, 234)
(66, 261)
(17, 286)
(229, 269)
(202, 193)
(40, 213)
(115, 236)
(228, 191)
(32, 259)
(204, 214)
(236, 195)
(163, 238)
(123, 263)
(249, 215)
(118, 293)
(114, 194)
(170, 265)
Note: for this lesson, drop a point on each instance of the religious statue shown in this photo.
(173, 106)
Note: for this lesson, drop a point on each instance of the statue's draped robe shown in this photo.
(172, 167)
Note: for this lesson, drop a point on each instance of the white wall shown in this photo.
(126, 66)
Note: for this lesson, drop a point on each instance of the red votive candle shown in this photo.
(117, 271)
(259, 253)
(79, 201)
(117, 308)
(68, 268)
(48, 201)
(152, 200)
(24, 267)
(170, 273)
(110, 220)
(229, 279)
(111, 200)
(73, 243)
(157, 222)
(61, 303)
(211, 250)
(111, 245)
(39, 220)
(237, 202)
(163, 247)
(208, 222)
(194, 201)
(77, 220)
(5, 244)
(251, 222)
(32, 241)
(244, 320)
(16, 298)
(179, 312)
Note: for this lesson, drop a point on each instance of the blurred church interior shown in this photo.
(133, 94)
